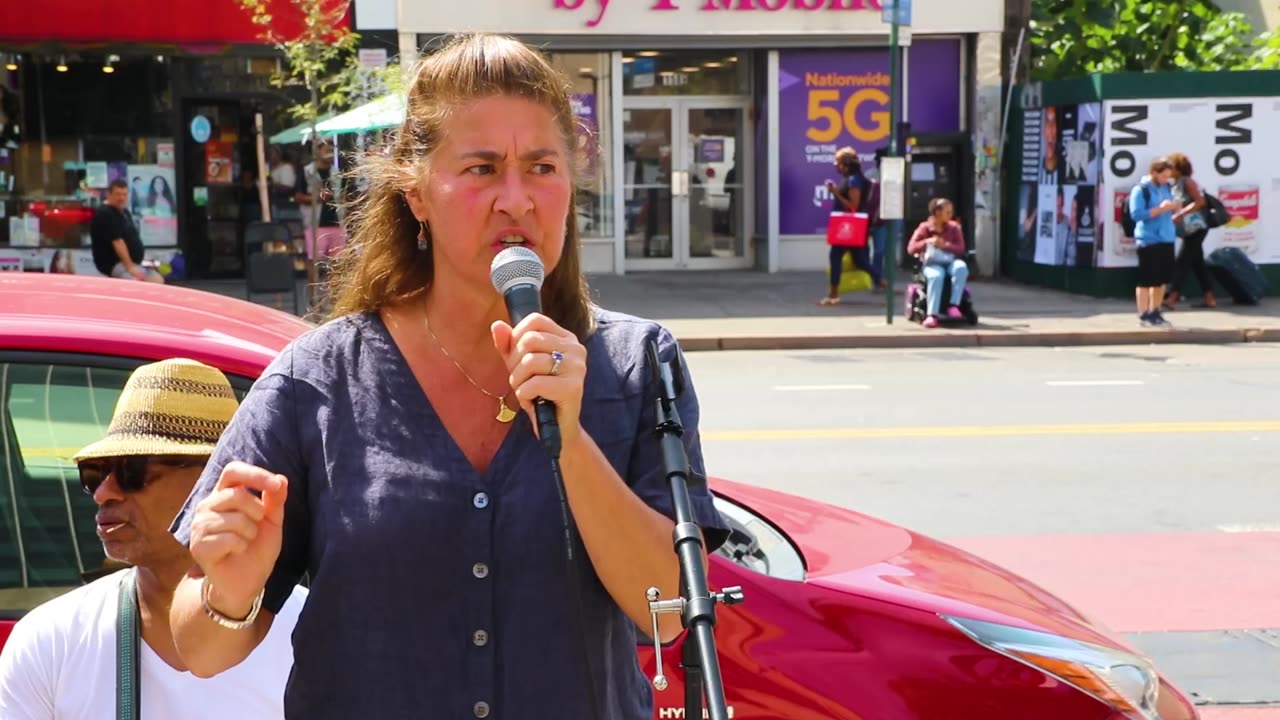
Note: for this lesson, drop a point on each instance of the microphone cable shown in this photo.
(549, 438)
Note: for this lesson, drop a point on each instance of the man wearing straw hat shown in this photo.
(108, 645)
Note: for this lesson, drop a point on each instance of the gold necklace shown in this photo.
(505, 414)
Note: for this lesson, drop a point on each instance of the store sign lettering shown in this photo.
(598, 7)
(834, 111)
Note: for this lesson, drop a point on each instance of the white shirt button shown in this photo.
(481, 501)
(480, 570)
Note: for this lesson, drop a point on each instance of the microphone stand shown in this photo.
(696, 603)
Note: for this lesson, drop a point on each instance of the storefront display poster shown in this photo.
(218, 162)
(830, 99)
(155, 205)
(95, 175)
(584, 109)
(1232, 147)
(164, 154)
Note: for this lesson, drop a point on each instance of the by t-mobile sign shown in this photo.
(597, 8)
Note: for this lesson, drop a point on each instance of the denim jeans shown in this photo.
(879, 239)
(861, 261)
(933, 277)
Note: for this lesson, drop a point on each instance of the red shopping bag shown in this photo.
(848, 229)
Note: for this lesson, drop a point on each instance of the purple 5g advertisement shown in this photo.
(829, 99)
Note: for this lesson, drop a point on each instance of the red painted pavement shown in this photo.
(1153, 583)
(1239, 713)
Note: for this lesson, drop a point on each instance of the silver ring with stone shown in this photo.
(557, 357)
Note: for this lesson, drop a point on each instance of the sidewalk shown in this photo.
(753, 311)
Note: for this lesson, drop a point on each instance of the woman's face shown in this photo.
(944, 213)
(501, 172)
(157, 184)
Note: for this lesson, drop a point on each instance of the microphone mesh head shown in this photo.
(516, 266)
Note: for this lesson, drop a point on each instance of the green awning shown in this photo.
(382, 113)
(299, 133)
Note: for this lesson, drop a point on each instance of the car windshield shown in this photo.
(757, 545)
(49, 409)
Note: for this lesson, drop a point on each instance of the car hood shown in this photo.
(852, 553)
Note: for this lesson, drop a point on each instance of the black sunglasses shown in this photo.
(131, 471)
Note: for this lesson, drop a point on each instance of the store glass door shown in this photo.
(218, 197)
(685, 170)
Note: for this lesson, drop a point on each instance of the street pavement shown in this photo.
(1136, 482)
(730, 310)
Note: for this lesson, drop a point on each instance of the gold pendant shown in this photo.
(505, 414)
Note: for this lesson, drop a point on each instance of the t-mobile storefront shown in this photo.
(716, 121)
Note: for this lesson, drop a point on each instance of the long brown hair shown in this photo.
(1181, 164)
(382, 265)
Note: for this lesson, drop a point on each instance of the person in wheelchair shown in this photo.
(939, 244)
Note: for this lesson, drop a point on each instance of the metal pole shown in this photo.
(997, 194)
(891, 245)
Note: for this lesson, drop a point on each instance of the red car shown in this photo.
(845, 617)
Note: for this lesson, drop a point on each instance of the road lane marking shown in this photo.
(1092, 383)
(962, 431)
(1249, 527)
(802, 388)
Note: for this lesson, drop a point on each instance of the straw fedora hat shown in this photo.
(172, 407)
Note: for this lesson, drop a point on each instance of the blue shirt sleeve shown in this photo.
(646, 473)
(264, 432)
(1139, 208)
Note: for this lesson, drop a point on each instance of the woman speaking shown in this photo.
(383, 454)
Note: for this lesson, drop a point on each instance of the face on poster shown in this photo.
(155, 204)
(1232, 146)
(833, 99)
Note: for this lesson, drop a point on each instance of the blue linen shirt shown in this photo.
(1148, 229)
(437, 591)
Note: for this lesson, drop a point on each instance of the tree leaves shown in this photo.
(1070, 38)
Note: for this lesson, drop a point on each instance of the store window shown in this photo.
(72, 124)
(589, 74)
(686, 72)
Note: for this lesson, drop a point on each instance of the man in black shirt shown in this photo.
(117, 247)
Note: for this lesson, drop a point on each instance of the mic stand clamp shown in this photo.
(696, 604)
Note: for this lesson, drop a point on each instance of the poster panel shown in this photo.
(1232, 145)
(154, 204)
(829, 99)
(1058, 199)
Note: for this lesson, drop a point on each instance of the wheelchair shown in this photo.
(916, 303)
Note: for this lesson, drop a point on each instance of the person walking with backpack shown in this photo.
(1193, 228)
(1152, 207)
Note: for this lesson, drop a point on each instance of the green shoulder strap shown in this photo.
(127, 638)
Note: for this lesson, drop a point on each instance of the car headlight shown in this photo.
(1122, 680)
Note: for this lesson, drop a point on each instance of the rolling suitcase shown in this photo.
(1237, 274)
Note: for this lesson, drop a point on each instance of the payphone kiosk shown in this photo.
(936, 167)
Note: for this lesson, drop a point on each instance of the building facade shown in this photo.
(716, 121)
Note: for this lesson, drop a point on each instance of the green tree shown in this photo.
(1070, 38)
(320, 57)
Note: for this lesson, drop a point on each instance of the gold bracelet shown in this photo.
(223, 620)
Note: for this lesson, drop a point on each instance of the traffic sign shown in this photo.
(904, 11)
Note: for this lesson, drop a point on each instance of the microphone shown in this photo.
(517, 274)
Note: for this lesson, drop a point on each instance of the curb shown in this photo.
(952, 339)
